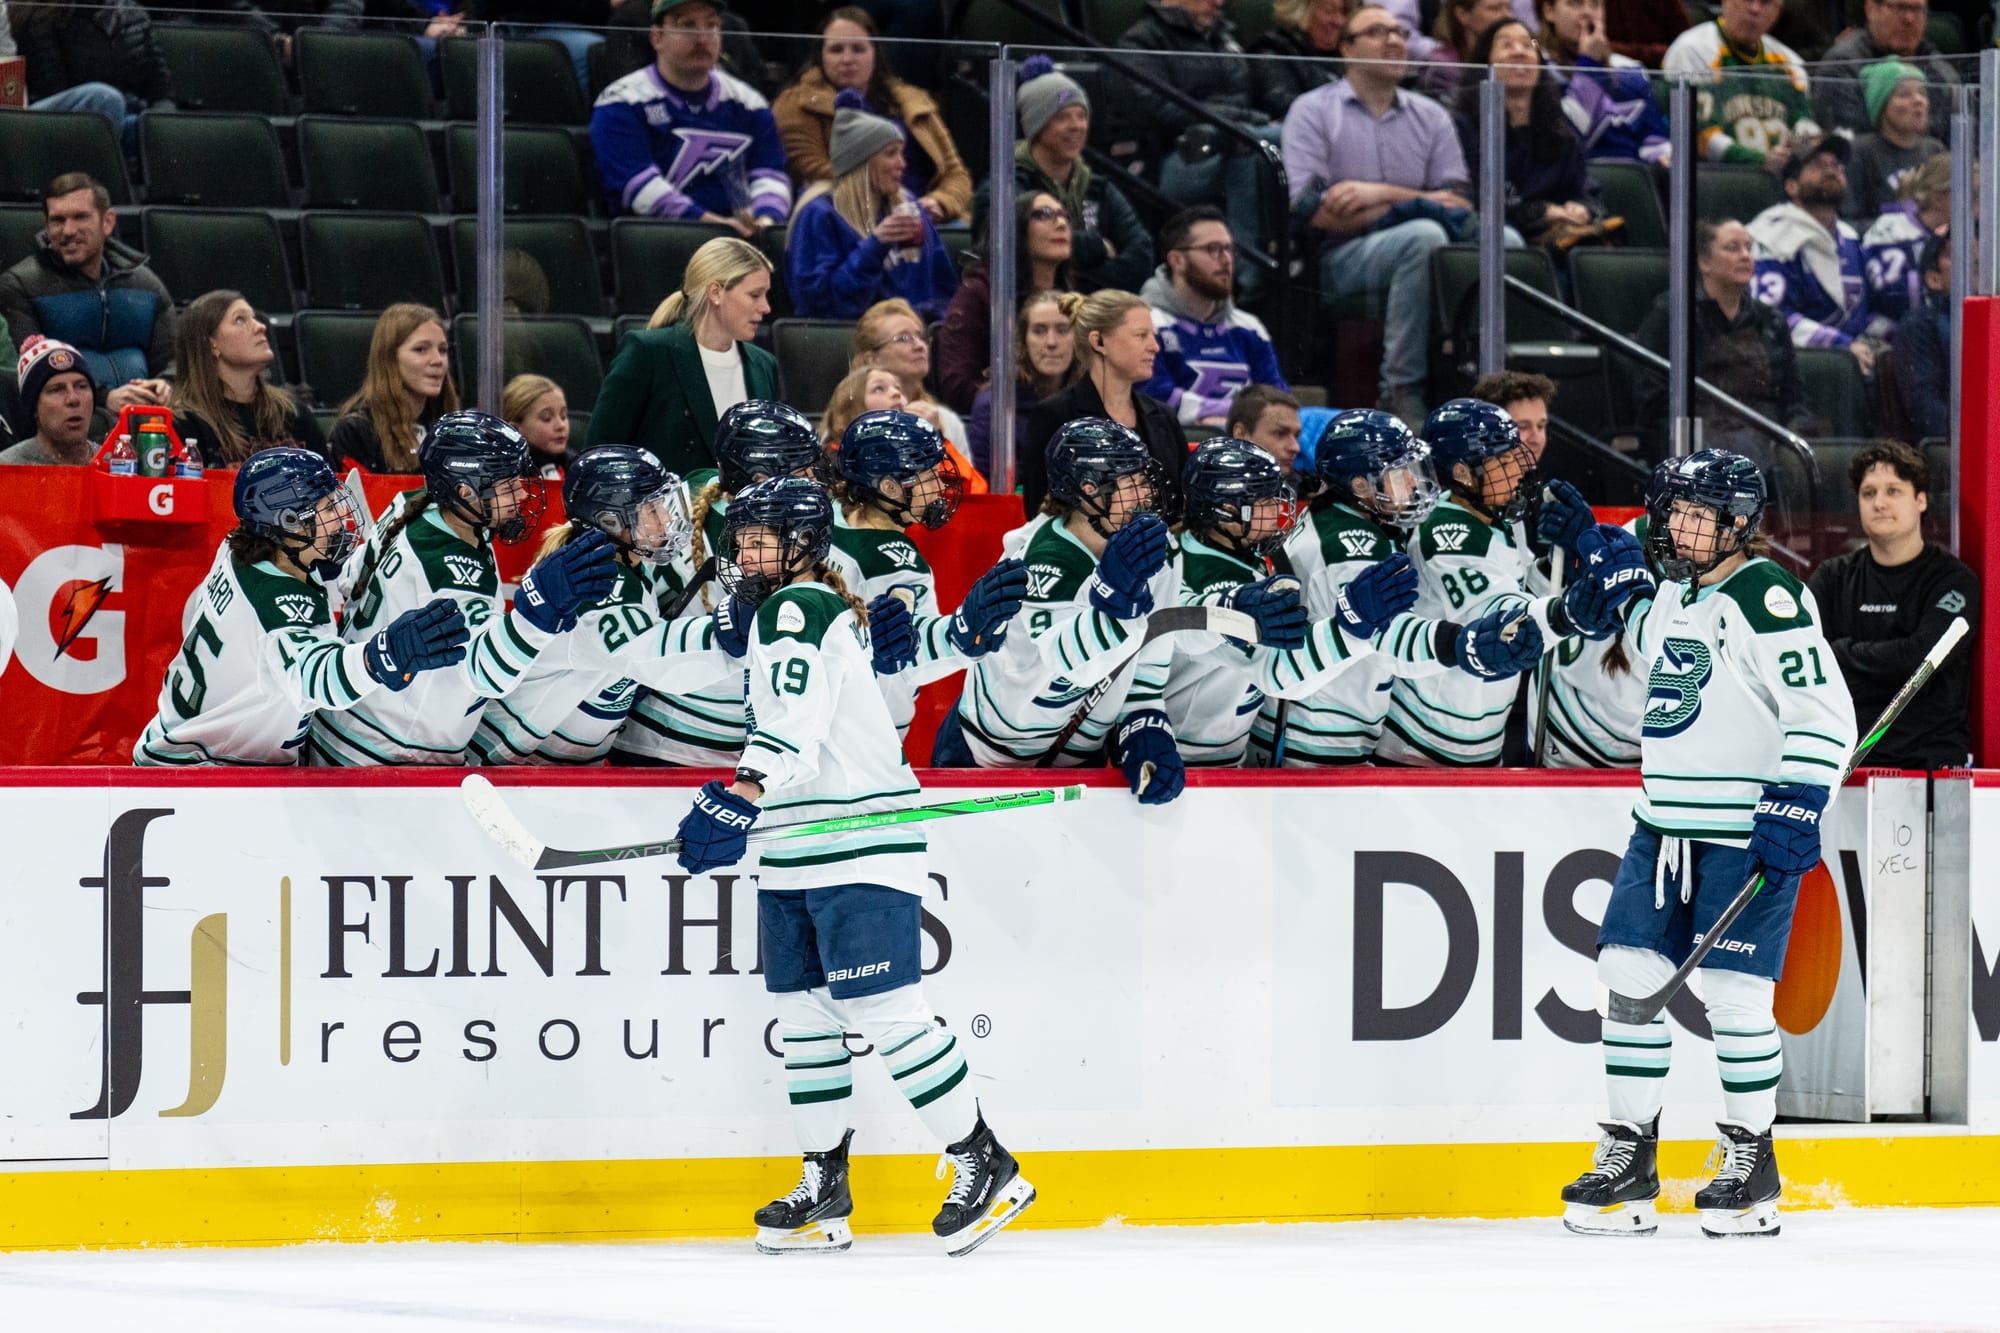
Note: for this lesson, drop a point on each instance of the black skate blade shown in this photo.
(1004, 1209)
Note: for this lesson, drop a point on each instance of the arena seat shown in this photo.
(223, 69)
(812, 359)
(47, 144)
(196, 250)
(363, 74)
(1536, 341)
(365, 261)
(538, 82)
(384, 165)
(1628, 192)
(561, 245)
(1739, 190)
(649, 255)
(213, 159)
(18, 228)
(544, 168)
(558, 346)
(1617, 288)
(333, 352)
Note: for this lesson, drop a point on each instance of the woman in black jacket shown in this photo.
(1115, 339)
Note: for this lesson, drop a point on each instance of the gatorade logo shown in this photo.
(69, 640)
(161, 499)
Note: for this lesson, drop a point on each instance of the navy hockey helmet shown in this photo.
(471, 451)
(758, 438)
(1366, 445)
(1726, 484)
(1087, 460)
(291, 498)
(1485, 439)
(624, 491)
(1225, 486)
(797, 512)
(901, 447)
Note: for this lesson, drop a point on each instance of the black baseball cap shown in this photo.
(1805, 150)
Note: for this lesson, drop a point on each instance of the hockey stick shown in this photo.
(1549, 660)
(1643, 1010)
(484, 802)
(1170, 620)
(1280, 564)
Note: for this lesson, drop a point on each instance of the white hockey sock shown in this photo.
(922, 1057)
(1636, 1056)
(1749, 1055)
(819, 1072)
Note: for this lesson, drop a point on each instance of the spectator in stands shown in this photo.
(890, 334)
(1642, 30)
(1460, 25)
(1116, 342)
(94, 58)
(1551, 199)
(1043, 243)
(1923, 347)
(1307, 34)
(1741, 345)
(1208, 347)
(57, 395)
(805, 112)
(668, 386)
(1388, 174)
(1524, 397)
(576, 24)
(865, 238)
(1899, 110)
(1609, 98)
(89, 289)
(1809, 261)
(535, 406)
(1111, 248)
(1198, 55)
(681, 139)
(1892, 249)
(869, 389)
(279, 19)
(1268, 417)
(221, 397)
(407, 388)
(1893, 29)
(1045, 363)
(1752, 97)
(1884, 605)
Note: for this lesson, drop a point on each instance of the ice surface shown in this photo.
(1849, 1269)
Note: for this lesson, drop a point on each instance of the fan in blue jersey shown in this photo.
(1809, 262)
(1208, 348)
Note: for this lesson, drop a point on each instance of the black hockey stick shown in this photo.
(1280, 564)
(1170, 620)
(695, 585)
(1641, 1011)
(1549, 660)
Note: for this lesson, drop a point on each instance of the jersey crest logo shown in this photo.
(1451, 536)
(1780, 603)
(1358, 545)
(1673, 690)
(703, 152)
(465, 570)
(298, 607)
(1042, 582)
(1952, 602)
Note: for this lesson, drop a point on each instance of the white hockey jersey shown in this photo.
(821, 736)
(1019, 697)
(433, 720)
(260, 657)
(1594, 706)
(874, 561)
(1742, 691)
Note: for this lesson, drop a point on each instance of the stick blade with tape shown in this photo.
(484, 804)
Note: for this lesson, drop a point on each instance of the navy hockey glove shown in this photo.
(732, 621)
(980, 623)
(1149, 757)
(891, 634)
(714, 832)
(1499, 644)
(1135, 553)
(1784, 832)
(1274, 604)
(554, 591)
(1563, 516)
(1376, 596)
(1613, 570)
(421, 640)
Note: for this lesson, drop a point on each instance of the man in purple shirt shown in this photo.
(1366, 147)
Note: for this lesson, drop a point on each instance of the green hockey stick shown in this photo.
(483, 801)
(1644, 1009)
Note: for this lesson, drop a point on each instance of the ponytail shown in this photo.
(830, 576)
(698, 545)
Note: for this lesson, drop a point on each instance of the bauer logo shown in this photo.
(123, 995)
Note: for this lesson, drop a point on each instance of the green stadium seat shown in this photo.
(196, 250)
(48, 144)
(561, 245)
(362, 74)
(333, 352)
(558, 346)
(1628, 191)
(650, 256)
(223, 69)
(813, 356)
(366, 261)
(18, 229)
(384, 165)
(538, 82)
(544, 169)
(1739, 190)
(213, 160)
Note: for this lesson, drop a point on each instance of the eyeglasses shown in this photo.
(1047, 214)
(903, 339)
(1379, 32)
(1215, 250)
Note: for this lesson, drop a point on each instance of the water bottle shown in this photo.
(122, 460)
(188, 466)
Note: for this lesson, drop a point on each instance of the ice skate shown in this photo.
(812, 1219)
(987, 1191)
(1742, 1200)
(1615, 1197)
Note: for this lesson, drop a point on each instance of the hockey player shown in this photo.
(1376, 488)
(895, 471)
(839, 917)
(1099, 561)
(576, 696)
(1239, 511)
(1473, 559)
(1747, 724)
(1597, 693)
(479, 486)
(261, 653)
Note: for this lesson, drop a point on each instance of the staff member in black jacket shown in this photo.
(1885, 604)
(1116, 342)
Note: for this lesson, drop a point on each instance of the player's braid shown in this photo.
(388, 534)
(831, 578)
(698, 548)
(1617, 662)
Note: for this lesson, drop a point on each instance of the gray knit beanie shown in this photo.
(1044, 92)
(858, 133)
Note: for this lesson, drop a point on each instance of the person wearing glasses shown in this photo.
(1208, 348)
(1892, 28)
(1044, 239)
(1378, 173)
(890, 335)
